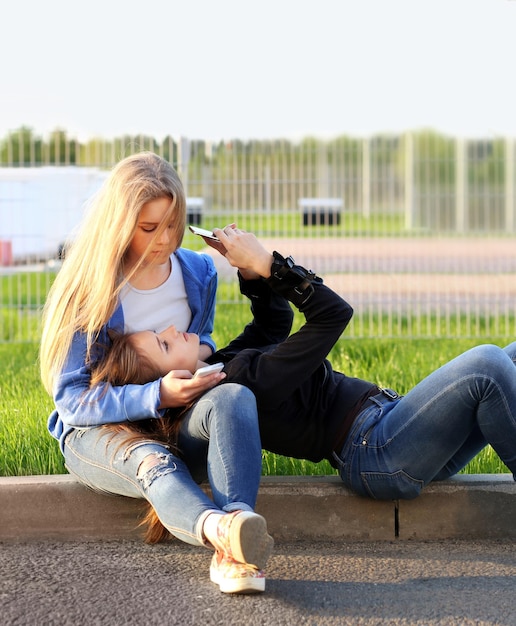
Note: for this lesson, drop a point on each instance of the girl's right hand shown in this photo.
(244, 251)
(179, 388)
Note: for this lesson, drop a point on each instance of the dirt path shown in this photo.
(389, 269)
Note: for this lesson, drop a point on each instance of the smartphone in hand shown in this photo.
(203, 232)
(208, 369)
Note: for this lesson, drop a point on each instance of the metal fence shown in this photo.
(417, 231)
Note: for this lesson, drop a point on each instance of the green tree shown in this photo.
(61, 150)
(21, 147)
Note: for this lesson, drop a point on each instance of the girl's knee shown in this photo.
(237, 404)
(237, 392)
(510, 350)
(488, 356)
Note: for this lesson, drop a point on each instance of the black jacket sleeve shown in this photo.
(271, 323)
(274, 371)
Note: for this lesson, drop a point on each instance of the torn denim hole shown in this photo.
(137, 444)
(153, 466)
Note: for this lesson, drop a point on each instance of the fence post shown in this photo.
(509, 185)
(366, 179)
(183, 149)
(409, 181)
(461, 186)
(322, 170)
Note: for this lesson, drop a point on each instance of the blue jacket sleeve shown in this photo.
(80, 406)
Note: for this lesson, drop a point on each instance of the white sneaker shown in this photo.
(243, 537)
(234, 577)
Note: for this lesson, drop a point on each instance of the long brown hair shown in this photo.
(122, 364)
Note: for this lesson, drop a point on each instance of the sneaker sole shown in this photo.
(237, 585)
(252, 544)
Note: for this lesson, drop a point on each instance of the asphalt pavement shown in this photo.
(364, 583)
(69, 556)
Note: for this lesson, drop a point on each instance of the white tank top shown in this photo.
(159, 308)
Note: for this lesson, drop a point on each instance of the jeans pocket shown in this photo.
(387, 486)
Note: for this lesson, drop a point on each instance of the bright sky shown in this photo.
(222, 69)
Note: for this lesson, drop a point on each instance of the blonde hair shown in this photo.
(85, 292)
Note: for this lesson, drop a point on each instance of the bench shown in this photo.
(321, 211)
(194, 211)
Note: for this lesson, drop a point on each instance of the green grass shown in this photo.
(21, 299)
(25, 445)
(27, 448)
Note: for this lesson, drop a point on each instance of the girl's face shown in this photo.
(168, 350)
(150, 220)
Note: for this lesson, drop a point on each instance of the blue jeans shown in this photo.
(397, 446)
(219, 439)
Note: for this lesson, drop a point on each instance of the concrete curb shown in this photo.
(312, 508)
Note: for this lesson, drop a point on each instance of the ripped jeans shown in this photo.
(396, 446)
(219, 440)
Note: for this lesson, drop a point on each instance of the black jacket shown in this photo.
(302, 403)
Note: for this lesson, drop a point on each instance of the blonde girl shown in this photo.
(126, 272)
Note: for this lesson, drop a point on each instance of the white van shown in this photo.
(40, 207)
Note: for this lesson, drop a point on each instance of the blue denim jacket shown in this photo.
(79, 406)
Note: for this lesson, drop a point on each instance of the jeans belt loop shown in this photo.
(390, 393)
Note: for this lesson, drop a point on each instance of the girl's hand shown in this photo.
(216, 244)
(179, 388)
(244, 251)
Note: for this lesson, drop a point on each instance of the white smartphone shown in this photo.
(203, 232)
(208, 369)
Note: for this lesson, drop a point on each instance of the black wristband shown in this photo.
(281, 266)
(293, 281)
